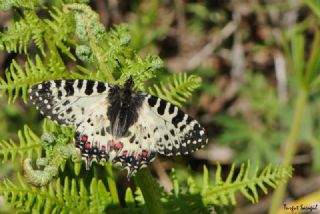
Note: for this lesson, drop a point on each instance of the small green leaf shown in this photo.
(129, 198)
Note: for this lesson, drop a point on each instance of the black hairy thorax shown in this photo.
(124, 105)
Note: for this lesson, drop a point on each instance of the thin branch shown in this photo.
(207, 50)
(281, 75)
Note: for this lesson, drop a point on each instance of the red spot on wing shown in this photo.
(84, 138)
(115, 144)
(119, 145)
(88, 145)
(144, 153)
(103, 148)
(112, 143)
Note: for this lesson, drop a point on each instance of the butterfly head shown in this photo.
(129, 84)
(126, 91)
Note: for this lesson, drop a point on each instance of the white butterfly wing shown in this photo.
(129, 132)
(173, 131)
(95, 143)
(68, 101)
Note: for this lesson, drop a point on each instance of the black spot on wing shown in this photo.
(58, 83)
(183, 149)
(178, 118)
(161, 107)
(68, 87)
(182, 127)
(191, 146)
(80, 83)
(101, 87)
(66, 102)
(152, 100)
(59, 94)
(45, 88)
(189, 120)
(89, 87)
(171, 109)
(132, 139)
(103, 133)
(69, 110)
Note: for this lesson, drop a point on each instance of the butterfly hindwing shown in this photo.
(68, 101)
(95, 143)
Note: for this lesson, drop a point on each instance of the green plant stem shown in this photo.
(112, 184)
(150, 190)
(290, 148)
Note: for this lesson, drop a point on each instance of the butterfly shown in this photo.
(118, 124)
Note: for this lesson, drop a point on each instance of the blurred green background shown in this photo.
(244, 51)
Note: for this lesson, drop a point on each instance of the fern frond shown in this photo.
(92, 33)
(49, 126)
(140, 69)
(55, 32)
(224, 192)
(110, 52)
(17, 80)
(17, 38)
(58, 30)
(29, 144)
(221, 194)
(129, 198)
(177, 88)
(71, 196)
(100, 198)
(8, 4)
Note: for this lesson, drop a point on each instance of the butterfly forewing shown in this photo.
(68, 101)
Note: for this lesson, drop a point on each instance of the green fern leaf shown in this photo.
(28, 146)
(8, 4)
(17, 38)
(140, 69)
(224, 192)
(129, 198)
(58, 30)
(71, 197)
(55, 32)
(99, 197)
(177, 88)
(18, 80)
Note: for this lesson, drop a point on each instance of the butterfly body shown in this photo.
(117, 124)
